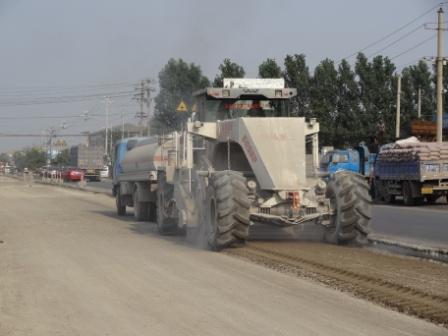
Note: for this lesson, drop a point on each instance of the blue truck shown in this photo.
(414, 173)
(358, 160)
(414, 180)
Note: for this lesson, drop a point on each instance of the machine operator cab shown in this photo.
(245, 98)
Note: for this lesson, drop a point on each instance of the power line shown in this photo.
(31, 135)
(392, 33)
(396, 41)
(64, 99)
(414, 47)
(27, 89)
(57, 116)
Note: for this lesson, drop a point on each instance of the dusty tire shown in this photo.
(152, 212)
(121, 208)
(432, 199)
(140, 208)
(351, 200)
(408, 200)
(165, 224)
(382, 194)
(227, 210)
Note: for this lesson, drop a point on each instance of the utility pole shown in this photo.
(439, 88)
(419, 103)
(106, 140)
(143, 97)
(397, 122)
(148, 100)
(140, 97)
(51, 133)
(122, 125)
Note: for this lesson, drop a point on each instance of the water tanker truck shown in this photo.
(241, 159)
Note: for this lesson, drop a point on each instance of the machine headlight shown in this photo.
(251, 184)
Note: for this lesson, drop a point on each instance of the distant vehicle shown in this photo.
(105, 172)
(413, 170)
(10, 169)
(72, 174)
(88, 159)
(358, 160)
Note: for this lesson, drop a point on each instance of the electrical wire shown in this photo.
(65, 99)
(82, 116)
(395, 41)
(393, 32)
(27, 90)
(414, 47)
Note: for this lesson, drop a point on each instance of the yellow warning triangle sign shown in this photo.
(182, 107)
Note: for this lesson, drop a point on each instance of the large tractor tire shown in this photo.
(351, 202)
(121, 207)
(166, 224)
(226, 221)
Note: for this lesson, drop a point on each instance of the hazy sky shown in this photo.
(53, 48)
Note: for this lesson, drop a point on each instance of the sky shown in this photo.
(54, 48)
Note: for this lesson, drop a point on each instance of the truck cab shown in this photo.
(358, 160)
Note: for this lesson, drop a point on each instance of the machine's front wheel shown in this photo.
(226, 221)
(351, 202)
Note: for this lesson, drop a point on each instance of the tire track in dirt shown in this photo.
(399, 294)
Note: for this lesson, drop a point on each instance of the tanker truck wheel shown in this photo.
(166, 225)
(140, 208)
(226, 221)
(351, 201)
(121, 207)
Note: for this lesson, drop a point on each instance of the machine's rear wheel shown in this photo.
(121, 208)
(226, 221)
(351, 201)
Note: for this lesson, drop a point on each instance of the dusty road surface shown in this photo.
(68, 266)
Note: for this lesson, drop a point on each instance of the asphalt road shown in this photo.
(69, 266)
(425, 225)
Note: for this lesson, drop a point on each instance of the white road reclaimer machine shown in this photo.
(242, 159)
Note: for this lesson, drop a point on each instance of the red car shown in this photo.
(72, 174)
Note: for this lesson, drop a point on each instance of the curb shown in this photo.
(411, 249)
(77, 187)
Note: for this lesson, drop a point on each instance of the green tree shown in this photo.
(31, 158)
(348, 127)
(269, 69)
(416, 77)
(228, 69)
(177, 81)
(297, 75)
(62, 159)
(324, 98)
(377, 85)
(4, 158)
